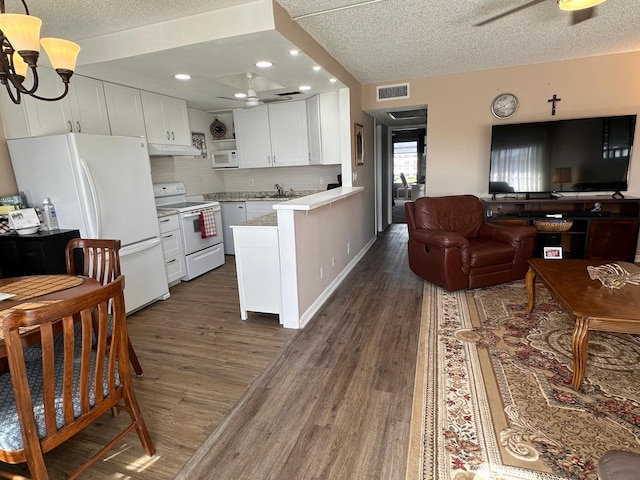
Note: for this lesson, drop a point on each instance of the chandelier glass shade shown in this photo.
(20, 38)
(572, 5)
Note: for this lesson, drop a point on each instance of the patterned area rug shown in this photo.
(493, 396)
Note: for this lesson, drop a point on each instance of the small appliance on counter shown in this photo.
(24, 221)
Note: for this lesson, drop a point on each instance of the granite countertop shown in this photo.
(166, 213)
(267, 220)
(266, 196)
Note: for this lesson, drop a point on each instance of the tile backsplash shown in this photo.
(200, 178)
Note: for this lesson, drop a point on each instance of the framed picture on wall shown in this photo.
(359, 153)
(198, 140)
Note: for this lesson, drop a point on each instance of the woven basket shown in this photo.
(553, 225)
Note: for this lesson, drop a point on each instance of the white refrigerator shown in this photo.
(100, 185)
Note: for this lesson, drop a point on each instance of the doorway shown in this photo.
(399, 125)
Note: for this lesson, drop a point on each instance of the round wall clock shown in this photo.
(218, 129)
(504, 105)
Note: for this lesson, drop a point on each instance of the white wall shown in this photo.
(459, 127)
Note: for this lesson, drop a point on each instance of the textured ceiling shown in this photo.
(390, 40)
(377, 41)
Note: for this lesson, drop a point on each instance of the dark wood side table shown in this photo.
(35, 254)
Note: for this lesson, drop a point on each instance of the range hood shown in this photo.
(168, 150)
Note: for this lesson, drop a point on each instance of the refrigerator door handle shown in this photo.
(139, 247)
(97, 220)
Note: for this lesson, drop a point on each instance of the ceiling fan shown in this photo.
(251, 98)
(580, 10)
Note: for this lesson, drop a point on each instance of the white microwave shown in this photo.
(224, 159)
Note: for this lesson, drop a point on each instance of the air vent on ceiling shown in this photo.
(393, 92)
(406, 114)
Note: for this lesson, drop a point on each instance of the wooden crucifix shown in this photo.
(553, 101)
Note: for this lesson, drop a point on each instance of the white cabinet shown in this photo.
(272, 135)
(233, 213)
(124, 105)
(166, 119)
(323, 115)
(174, 262)
(83, 110)
(258, 269)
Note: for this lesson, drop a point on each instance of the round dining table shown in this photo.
(36, 291)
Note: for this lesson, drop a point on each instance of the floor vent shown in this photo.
(393, 92)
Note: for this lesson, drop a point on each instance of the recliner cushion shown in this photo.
(461, 214)
(485, 252)
(619, 465)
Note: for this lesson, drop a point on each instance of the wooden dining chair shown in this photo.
(44, 401)
(99, 259)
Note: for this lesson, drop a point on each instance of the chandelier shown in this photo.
(20, 37)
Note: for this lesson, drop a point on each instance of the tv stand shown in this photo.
(603, 228)
(542, 195)
(617, 194)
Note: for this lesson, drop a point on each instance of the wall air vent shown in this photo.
(393, 92)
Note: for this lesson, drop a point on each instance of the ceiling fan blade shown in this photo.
(578, 16)
(509, 12)
(232, 98)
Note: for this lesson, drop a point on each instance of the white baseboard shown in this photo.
(322, 298)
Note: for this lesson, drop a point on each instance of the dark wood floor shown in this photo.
(331, 401)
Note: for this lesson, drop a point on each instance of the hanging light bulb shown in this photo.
(20, 40)
(573, 5)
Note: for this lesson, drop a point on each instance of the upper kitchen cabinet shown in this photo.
(272, 135)
(166, 119)
(323, 115)
(83, 110)
(124, 105)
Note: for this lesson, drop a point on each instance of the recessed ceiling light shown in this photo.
(333, 80)
(182, 76)
(240, 95)
(294, 52)
(304, 88)
(317, 68)
(264, 64)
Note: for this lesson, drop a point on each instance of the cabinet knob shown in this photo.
(173, 136)
(70, 126)
(79, 129)
(168, 136)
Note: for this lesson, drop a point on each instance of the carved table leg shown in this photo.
(579, 345)
(530, 282)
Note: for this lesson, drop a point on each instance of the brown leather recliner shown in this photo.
(451, 245)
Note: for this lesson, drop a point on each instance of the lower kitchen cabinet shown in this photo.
(40, 253)
(258, 269)
(172, 248)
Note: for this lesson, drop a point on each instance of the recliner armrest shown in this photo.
(440, 238)
(512, 234)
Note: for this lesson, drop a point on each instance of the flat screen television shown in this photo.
(577, 155)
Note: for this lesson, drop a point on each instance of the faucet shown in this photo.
(279, 189)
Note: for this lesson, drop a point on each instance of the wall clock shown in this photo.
(504, 105)
(218, 129)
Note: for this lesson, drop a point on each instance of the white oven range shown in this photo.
(201, 254)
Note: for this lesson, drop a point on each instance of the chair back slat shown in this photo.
(100, 258)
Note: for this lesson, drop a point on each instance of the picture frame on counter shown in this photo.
(552, 253)
(199, 141)
(359, 144)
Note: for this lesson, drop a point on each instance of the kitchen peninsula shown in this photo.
(311, 238)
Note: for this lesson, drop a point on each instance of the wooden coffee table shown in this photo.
(594, 306)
